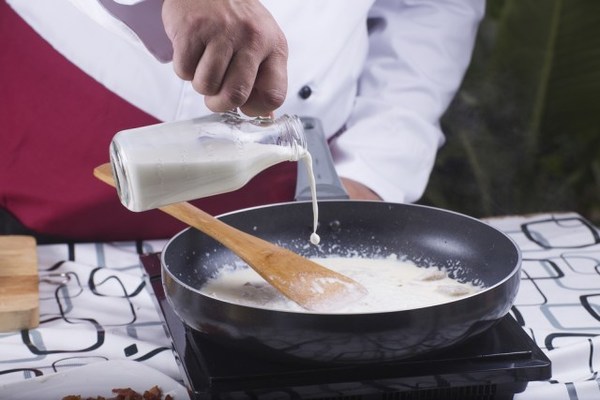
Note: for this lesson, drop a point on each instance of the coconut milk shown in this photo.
(392, 284)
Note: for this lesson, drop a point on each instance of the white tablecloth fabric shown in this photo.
(95, 306)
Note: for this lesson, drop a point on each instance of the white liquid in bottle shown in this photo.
(209, 168)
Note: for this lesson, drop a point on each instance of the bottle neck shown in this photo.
(292, 135)
(285, 131)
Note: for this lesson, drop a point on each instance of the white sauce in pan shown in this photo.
(393, 285)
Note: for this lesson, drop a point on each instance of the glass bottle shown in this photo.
(179, 161)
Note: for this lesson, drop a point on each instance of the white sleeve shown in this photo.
(419, 52)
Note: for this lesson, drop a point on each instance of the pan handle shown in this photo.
(329, 185)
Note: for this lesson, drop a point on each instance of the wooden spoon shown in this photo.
(303, 281)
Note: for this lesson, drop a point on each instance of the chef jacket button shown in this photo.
(305, 92)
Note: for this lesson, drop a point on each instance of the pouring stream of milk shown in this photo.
(307, 159)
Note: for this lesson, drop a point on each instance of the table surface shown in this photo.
(95, 306)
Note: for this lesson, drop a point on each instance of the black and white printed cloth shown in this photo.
(95, 306)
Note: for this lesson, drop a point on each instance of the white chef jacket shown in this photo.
(387, 85)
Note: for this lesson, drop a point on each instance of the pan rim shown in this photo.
(516, 268)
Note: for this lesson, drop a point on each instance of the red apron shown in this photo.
(56, 124)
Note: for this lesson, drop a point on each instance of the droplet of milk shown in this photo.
(314, 238)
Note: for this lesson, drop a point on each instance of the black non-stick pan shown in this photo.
(469, 249)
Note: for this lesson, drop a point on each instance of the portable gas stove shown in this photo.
(493, 365)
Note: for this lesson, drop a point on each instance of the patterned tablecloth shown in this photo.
(95, 306)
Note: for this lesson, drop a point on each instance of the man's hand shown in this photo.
(232, 51)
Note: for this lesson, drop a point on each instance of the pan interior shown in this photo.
(470, 250)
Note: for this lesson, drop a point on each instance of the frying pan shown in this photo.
(469, 249)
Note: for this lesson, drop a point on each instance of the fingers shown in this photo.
(187, 53)
(211, 68)
(270, 87)
(254, 80)
(236, 84)
(257, 89)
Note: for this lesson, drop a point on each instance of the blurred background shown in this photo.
(523, 133)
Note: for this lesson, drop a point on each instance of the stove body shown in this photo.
(493, 365)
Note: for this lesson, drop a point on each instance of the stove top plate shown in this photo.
(493, 365)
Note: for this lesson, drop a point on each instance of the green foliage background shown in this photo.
(523, 133)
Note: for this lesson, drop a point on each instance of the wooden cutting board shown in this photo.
(19, 283)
